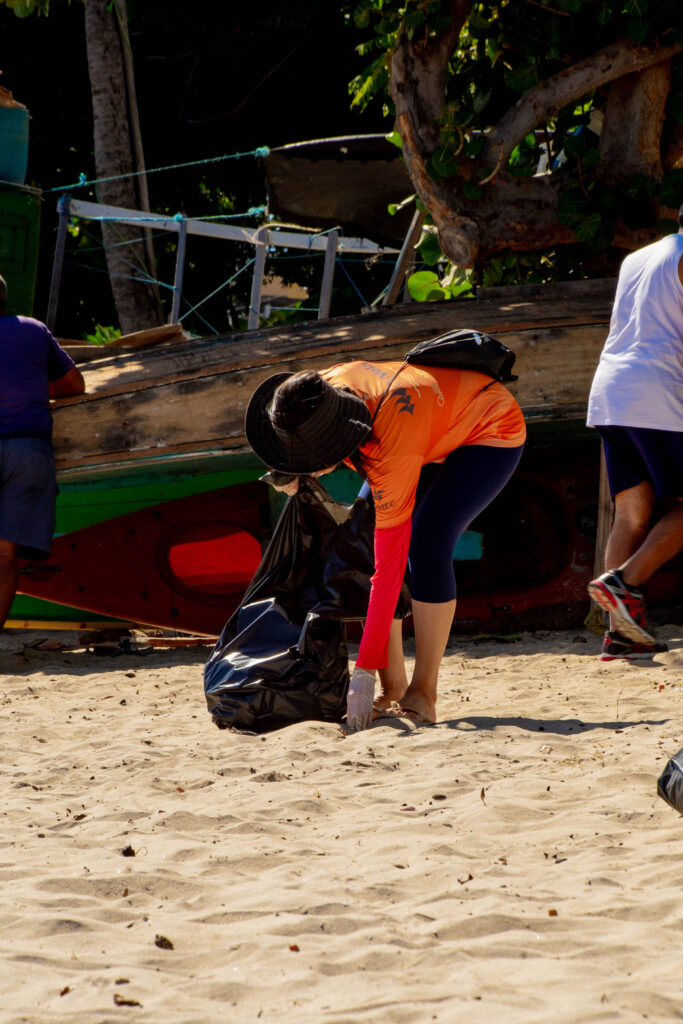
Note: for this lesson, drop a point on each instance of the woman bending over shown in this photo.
(435, 446)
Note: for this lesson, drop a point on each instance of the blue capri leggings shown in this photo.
(450, 495)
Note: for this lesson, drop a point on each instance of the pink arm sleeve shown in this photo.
(391, 555)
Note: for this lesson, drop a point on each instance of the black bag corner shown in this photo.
(466, 350)
(670, 782)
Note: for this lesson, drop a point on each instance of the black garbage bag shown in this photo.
(282, 657)
(670, 782)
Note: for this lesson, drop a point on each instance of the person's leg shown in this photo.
(632, 514)
(664, 541)
(393, 680)
(8, 578)
(432, 624)
(642, 464)
(465, 484)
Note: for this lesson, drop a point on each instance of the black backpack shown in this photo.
(466, 350)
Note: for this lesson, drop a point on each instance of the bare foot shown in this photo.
(387, 696)
(414, 702)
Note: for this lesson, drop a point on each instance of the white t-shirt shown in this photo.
(639, 379)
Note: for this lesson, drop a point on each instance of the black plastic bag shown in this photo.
(670, 782)
(282, 657)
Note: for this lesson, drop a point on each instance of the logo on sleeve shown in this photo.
(380, 504)
(402, 398)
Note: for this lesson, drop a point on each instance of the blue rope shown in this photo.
(253, 211)
(261, 151)
(353, 283)
(219, 288)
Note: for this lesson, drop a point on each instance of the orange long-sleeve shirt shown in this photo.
(427, 413)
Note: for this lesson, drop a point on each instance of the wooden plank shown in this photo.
(605, 514)
(328, 275)
(46, 624)
(58, 262)
(260, 241)
(179, 270)
(151, 336)
(405, 258)
(206, 409)
(388, 325)
(84, 352)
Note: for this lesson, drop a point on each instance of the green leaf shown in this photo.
(424, 286)
(571, 206)
(480, 101)
(474, 146)
(442, 163)
(429, 249)
(395, 139)
(361, 15)
(637, 28)
(461, 288)
(493, 50)
(521, 79)
(588, 227)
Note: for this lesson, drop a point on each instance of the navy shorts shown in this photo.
(28, 489)
(450, 495)
(636, 455)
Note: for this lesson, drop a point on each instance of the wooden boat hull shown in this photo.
(181, 565)
(176, 412)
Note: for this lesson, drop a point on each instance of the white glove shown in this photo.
(359, 700)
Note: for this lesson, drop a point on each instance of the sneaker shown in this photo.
(625, 605)
(616, 646)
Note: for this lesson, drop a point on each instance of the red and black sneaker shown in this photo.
(616, 646)
(625, 605)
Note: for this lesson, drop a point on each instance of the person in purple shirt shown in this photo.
(33, 369)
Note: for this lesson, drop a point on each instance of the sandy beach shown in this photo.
(512, 863)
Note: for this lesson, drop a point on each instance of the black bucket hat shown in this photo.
(339, 423)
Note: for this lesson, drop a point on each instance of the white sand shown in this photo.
(511, 864)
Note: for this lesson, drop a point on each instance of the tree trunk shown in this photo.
(137, 305)
(515, 213)
(632, 129)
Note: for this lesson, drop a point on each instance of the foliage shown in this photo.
(102, 335)
(23, 8)
(246, 82)
(505, 48)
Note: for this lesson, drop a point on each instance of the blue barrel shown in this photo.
(13, 144)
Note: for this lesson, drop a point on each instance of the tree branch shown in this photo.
(419, 69)
(545, 99)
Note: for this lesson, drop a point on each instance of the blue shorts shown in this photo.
(636, 455)
(28, 490)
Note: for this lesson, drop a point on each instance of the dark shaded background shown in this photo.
(212, 79)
